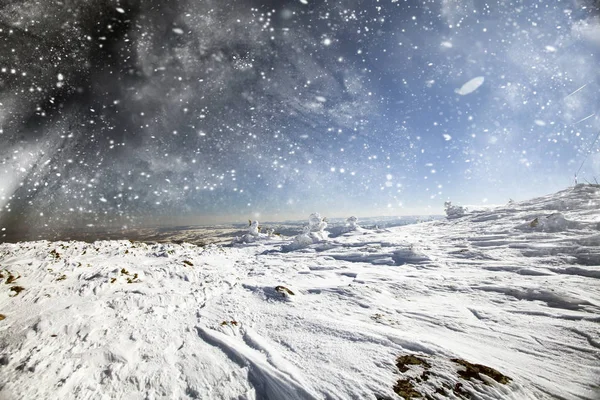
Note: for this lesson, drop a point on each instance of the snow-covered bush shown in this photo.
(254, 228)
(316, 227)
(351, 227)
(314, 232)
(454, 211)
(316, 223)
(253, 234)
(352, 223)
(301, 241)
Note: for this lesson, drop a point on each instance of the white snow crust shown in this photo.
(116, 319)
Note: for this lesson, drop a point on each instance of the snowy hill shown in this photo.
(512, 293)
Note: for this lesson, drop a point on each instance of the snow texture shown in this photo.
(121, 319)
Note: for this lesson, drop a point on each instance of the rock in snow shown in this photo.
(489, 306)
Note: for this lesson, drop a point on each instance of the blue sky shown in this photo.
(203, 112)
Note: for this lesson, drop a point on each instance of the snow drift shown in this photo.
(483, 306)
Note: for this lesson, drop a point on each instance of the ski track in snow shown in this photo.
(492, 288)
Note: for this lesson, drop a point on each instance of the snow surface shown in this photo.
(120, 319)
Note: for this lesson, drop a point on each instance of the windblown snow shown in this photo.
(365, 314)
(471, 86)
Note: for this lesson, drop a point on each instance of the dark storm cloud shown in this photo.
(138, 112)
(116, 110)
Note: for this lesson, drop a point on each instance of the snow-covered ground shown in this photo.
(516, 289)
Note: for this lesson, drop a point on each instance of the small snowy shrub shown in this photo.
(351, 227)
(254, 229)
(316, 223)
(253, 234)
(454, 211)
(301, 241)
(352, 222)
(314, 232)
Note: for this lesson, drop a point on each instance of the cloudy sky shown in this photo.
(134, 112)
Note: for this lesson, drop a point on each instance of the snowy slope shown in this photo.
(516, 289)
